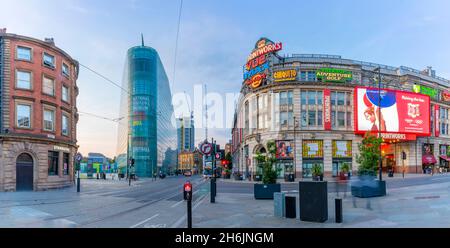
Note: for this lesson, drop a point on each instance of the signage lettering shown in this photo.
(446, 96)
(436, 121)
(334, 75)
(425, 90)
(257, 66)
(285, 75)
(327, 109)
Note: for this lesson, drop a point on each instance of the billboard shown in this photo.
(401, 112)
(285, 149)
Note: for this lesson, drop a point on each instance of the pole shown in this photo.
(78, 178)
(189, 212)
(416, 158)
(379, 121)
(213, 177)
(295, 148)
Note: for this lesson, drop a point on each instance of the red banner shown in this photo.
(327, 109)
(394, 112)
(436, 121)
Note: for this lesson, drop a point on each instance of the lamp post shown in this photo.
(295, 147)
(379, 122)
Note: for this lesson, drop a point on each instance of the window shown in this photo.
(341, 99)
(312, 118)
(341, 119)
(333, 98)
(303, 97)
(319, 118)
(319, 97)
(349, 119)
(65, 70)
(311, 98)
(291, 118)
(23, 113)
(23, 53)
(23, 80)
(303, 76)
(65, 94)
(284, 118)
(311, 76)
(304, 120)
(48, 86)
(283, 98)
(290, 97)
(65, 125)
(49, 60)
(49, 120)
(53, 163)
(333, 118)
(66, 163)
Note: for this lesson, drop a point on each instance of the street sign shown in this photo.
(78, 157)
(206, 148)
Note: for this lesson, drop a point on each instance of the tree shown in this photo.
(229, 158)
(266, 162)
(369, 155)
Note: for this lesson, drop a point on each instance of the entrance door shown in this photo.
(24, 172)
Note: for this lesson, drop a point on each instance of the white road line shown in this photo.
(142, 222)
(183, 218)
(176, 204)
(440, 178)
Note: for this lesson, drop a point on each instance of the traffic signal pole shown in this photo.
(213, 178)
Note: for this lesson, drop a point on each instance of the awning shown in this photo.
(445, 158)
(428, 159)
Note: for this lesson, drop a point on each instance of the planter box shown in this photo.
(266, 191)
(369, 188)
(313, 201)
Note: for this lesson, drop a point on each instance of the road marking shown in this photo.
(176, 204)
(183, 218)
(440, 178)
(142, 222)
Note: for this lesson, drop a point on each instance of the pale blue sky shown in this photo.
(217, 36)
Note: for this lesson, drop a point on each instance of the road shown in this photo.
(146, 204)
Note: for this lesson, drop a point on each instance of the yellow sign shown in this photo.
(285, 75)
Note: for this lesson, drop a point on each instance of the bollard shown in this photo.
(291, 209)
(78, 184)
(338, 207)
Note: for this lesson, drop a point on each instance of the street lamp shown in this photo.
(379, 121)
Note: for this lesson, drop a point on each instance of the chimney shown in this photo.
(50, 41)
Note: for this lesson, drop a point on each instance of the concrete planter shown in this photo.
(266, 191)
(368, 188)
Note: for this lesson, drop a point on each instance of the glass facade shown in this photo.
(147, 131)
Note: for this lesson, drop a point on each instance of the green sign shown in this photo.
(334, 75)
(425, 90)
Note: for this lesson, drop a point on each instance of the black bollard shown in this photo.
(338, 207)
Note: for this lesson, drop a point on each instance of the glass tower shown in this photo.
(147, 128)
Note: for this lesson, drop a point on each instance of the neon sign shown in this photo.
(257, 66)
(285, 75)
(334, 75)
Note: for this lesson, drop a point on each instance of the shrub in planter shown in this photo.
(269, 174)
(317, 172)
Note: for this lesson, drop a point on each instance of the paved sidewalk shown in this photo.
(397, 176)
(417, 206)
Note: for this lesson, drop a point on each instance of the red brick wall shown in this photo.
(38, 70)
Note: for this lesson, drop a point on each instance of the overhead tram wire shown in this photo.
(176, 48)
(104, 77)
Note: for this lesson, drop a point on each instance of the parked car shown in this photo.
(162, 175)
(187, 173)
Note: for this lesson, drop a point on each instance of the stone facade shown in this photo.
(37, 139)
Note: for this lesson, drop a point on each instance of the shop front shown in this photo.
(342, 156)
(285, 159)
(444, 158)
(428, 160)
(312, 152)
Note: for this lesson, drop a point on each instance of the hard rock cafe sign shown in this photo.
(257, 66)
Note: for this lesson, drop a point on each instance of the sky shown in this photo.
(215, 39)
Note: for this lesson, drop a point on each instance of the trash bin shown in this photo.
(291, 211)
(279, 204)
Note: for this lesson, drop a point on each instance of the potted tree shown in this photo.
(317, 173)
(368, 160)
(345, 170)
(269, 174)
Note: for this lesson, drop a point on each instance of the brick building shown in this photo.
(38, 114)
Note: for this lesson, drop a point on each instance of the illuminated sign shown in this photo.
(436, 121)
(285, 75)
(398, 136)
(446, 96)
(334, 75)
(425, 90)
(285, 149)
(342, 148)
(257, 66)
(327, 109)
(401, 112)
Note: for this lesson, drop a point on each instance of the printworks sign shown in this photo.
(445, 96)
(334, 75)
(257, 67)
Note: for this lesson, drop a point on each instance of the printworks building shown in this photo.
(317, 109)
(38, 114)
